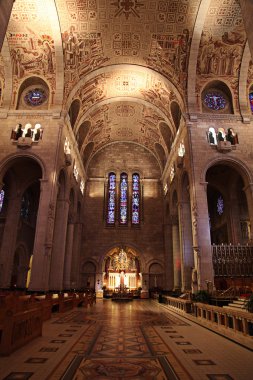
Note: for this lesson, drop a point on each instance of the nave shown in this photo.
(136, 340)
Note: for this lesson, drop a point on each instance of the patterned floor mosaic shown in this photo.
(122, 344)
(141, 340)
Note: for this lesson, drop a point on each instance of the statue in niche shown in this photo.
(18, 132)
(194, 282)
(37, 132)
(232, 136)
(221, 136)
(212, 136)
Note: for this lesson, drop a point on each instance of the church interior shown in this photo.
(126, 189)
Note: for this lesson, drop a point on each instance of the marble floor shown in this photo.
(133, 340)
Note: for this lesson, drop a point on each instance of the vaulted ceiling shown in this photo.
(131, 66)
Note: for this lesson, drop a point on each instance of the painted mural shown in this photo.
(155, 34)
(2, 81)
(222, 43)
(124, 121)
(31, 44)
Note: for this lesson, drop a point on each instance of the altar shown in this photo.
(121, 272)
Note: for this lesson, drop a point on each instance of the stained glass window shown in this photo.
(35, 97)
(25, 207)
(215, 101)
(220, 205)
(1, 199)
(251, 101)
(135, 199)
(111, 198)
(123, 198)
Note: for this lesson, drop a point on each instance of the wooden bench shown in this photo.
(19, 328)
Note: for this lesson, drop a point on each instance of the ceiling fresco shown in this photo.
(124, 121)
(125, 60)
(142, 85)
(155, 34)
(250, 74)
(1, 78)
(31, 43)
(222, 44)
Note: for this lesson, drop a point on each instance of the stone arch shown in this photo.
(243, 81)
(31, 84)
(82, 133)
(218, 87)
(176, 114)
(87, 152)
(12, 158)
(156, 275)
(74, 112)
(167, 135)
(88, 273)
(161, 154)
(230, 161)
(21, 178)
(229, 201)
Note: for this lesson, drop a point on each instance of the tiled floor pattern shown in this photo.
(137, 340)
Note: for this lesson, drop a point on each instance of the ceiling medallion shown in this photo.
(127, 7)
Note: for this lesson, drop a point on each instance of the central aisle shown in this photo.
(122, 343)
(138, 340)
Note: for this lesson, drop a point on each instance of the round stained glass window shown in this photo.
(35, 97)
(215, 101)
(251, 101)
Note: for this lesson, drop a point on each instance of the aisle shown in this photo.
(134, 340)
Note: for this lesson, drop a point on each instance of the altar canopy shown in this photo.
(122, 269)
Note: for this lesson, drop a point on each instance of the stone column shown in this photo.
(201, 237)
(8, 245)
(75, 270)
(59, 244)
(43, 239)
(249, 195)
(187, 261)
(5, 13)
(234, 220)
(68, 254)
(247, 14)
(169, 272)
(176, 253)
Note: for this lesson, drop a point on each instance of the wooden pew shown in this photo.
(19, 328)
(66, 302)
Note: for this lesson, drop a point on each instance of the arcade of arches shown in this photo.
(126, 145)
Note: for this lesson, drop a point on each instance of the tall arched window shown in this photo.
(123, 198)
(135, 198)
(111, 198)
(1, 199)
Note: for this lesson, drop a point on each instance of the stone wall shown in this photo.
(147, 239)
